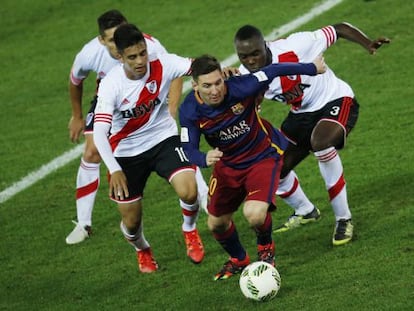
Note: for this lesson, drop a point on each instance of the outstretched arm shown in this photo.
(351, 33)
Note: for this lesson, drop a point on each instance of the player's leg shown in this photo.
(137, 171)
(171, 163)
(132, 229)
(185, 186)
(225, 198)
(291, 192)
(202, 190)
(87, 183)
(329, 135)
(298, 129)
(261, 182)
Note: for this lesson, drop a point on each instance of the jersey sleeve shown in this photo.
(176, 66)
(102, 123)
(154, 46)
(190, 136)
(312, 43)
(81, 67)
(244, 86)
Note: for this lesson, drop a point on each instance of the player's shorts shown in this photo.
(298, 127)
(229, 187)
(166, 159)
(90, 116)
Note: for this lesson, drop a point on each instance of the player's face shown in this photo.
(211, 88)
(135, 60)
(252, 53)
(108, 40)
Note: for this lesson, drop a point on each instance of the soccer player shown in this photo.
(247, 152)
(323, 111)
(99, 56)
(135, 134)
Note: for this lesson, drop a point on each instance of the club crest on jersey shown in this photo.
(151, 86)
(237, 108)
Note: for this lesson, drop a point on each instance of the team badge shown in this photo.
(237, 108)
(151, 86)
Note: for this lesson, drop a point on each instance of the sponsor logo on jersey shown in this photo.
(293, 95)
(234, 131)
(140, 109)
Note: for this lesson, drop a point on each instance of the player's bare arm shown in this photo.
(76, 123)
(351, 33)
(174, 96)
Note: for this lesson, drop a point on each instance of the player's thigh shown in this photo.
(226, 190)
(336, 120)
(184, 184)
(137, 170)
(262, 179)
(171, 163)
(293, 155)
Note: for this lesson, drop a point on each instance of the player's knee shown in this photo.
(188, 194)
(254, 216)
(91, 155)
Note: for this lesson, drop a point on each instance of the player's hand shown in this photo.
(213, 156)
(319, 62)
(118, 186)
(376, 44)
(76, 127)
(228, 72)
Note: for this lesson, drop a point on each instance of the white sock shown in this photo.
(137, 239)
(331, 169)
(190, 215)
(291, 192)
(87, 183)
(202, 187)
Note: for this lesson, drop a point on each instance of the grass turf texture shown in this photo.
(39, 271)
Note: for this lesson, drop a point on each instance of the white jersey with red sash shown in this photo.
(305, 93)
(95, 57)
(136, 110)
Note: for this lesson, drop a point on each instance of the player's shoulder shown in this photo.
(92, 50)
(189, 105)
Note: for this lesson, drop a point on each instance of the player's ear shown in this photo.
(194, 85)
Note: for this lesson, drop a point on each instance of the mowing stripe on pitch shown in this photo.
(74, 153)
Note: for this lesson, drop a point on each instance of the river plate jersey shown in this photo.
(305, 93)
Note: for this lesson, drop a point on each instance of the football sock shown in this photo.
(87, 183)
(190, 215)
(331, 169)
(229, 240)
(137, 239)
(264, 232)
(202, 187)
(291, 192)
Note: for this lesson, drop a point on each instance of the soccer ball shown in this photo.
(260, 281)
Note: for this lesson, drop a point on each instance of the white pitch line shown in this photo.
(72, 154)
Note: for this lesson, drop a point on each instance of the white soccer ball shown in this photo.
(260, 281)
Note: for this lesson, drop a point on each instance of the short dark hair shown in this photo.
(110, 19)
(204, 65)
(127, 35)
(247, 32)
